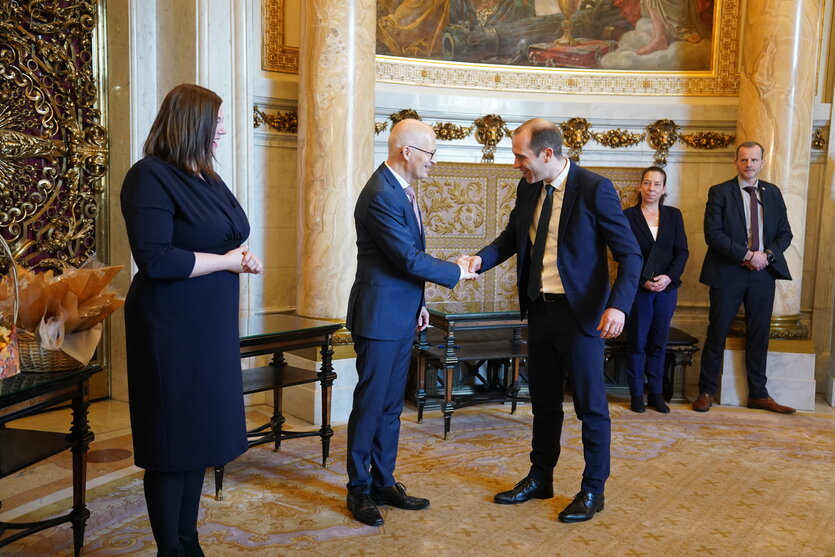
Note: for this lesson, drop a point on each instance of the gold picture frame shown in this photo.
(276, 54)
(721, 80)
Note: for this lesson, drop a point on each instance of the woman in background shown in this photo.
(660, 233)
(186, 231)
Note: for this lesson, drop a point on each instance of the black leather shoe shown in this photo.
(363, 508)
(528, 488)
(395, 495)
(583, 507)
(656, 400)
(636, 404)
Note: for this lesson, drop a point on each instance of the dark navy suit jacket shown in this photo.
(727, 236)
(590, 221)
(387, 293)
(666, 254)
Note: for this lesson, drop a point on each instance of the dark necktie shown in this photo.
(535, 276)
(410, 193)
(755, 218)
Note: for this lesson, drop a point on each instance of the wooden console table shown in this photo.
(276, 334)
(478, 332)
(26, 394)
(458, 317)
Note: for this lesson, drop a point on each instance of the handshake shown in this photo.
(469, 265)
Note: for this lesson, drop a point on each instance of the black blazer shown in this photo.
(590, 221)
(727, 236)
(665, 255)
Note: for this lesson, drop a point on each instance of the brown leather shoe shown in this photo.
(703, 403)
(769, 404)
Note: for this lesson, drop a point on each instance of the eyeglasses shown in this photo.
(430, 153)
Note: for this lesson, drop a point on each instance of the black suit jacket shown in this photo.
(666, 254)
(590, 221)
(727, 236)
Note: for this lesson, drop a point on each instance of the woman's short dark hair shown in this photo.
(644, 174)
(184, 129)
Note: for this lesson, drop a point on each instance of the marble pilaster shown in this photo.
(336, 139)
(775, 109)
(776, 98)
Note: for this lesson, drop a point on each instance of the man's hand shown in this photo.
(423, 319)
(658, 284)
(611, 324)
(465, 272)
(473, 262)
(758, 261)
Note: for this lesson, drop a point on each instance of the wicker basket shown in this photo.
(33, 358)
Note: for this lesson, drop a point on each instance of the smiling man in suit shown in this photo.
(747, 231)
(564, 219)
(385, 307)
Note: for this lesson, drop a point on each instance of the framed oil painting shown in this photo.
(661, 47)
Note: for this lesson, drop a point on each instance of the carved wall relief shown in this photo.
(53, 147)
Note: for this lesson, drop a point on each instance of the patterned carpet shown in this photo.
(729, 482)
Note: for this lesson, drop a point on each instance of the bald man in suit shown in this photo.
(385, 307)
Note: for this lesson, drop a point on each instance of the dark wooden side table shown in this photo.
(26, 394)
(457, 317)
(276, 334)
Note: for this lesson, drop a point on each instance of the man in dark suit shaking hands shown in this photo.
(747, 231)
(385, 306)
(564, 219)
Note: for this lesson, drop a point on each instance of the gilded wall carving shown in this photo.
(276, 54)
(465, 206)
(53, 148)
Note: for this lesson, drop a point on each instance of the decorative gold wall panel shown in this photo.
(466, 205)
(53, 148)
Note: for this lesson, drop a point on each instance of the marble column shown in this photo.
(335, 147)
(778, 53)
(775, 109)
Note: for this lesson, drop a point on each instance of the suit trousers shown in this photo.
(756, 294)
(374, 423)
(558, 348)
(647, 332)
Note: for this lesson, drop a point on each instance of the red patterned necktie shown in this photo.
(755, 218)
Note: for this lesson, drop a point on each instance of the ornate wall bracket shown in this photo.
(575, 135)
(489, 130)
(661, 135)
(53, 148)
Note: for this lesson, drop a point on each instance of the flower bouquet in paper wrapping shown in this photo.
(59, 319)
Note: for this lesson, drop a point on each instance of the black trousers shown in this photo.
(559, 348)
(756, 294)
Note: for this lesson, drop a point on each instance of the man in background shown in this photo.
(747, 232)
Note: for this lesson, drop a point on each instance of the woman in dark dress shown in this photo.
(186, 231)
(660, 233)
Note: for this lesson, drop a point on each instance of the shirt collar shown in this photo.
(743, 184)
(403, 183)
